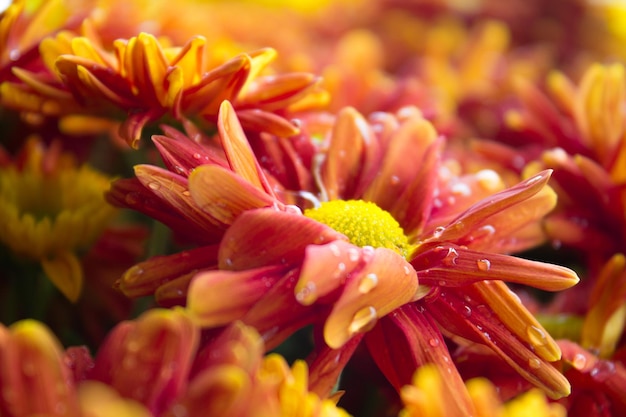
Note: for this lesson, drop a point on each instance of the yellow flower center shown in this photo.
(364, 223)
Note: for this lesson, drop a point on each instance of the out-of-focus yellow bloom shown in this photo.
(50, 209)
(424, 398)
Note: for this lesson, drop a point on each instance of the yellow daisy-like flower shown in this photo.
(50, 209)
(424, 398)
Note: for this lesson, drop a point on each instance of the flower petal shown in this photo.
(270, 237)
(237, 149)
(326, 268)
(66, 273)
(384, 284)
(479, 214)
(216, 298)
(137, 357)
(146, 277)
(223, 194)
(451, 265)
(409, 338)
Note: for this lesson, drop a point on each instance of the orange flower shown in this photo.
(147, 79)
(152, 367)
(281, 269)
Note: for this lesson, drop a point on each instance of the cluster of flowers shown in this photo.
(312, 208)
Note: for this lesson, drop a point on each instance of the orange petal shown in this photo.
(479, 214)
(276, 92)
(217, 298)
(223, 194)
(343, 163)
(237, 149)
(326, 268)
(384, 284)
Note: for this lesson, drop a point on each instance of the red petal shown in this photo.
(270, 237)
(451, 265)
(409, 338)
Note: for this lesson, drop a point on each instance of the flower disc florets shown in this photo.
(364, 223)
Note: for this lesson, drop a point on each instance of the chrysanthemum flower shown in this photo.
(145, 78)
(345, 265)
(426, 398)
(579, 131)
(152, 367)
(50, 210)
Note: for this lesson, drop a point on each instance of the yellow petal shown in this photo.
(66, 274)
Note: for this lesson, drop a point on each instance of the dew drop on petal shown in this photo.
(154, 185)
(363, 320)
(186, 193)
(460, 188)
(308, 294)
(451, 257)
(197, 155)
(483, 264)
(368, 283)
(14, 54)
(534, 363)
(433, 342)
(334, 249)
(407, 270)
(467, 311)
(438, 232)
(536, 336)
(395, 180)
(579, 361)
(292, 209)
(353, 254)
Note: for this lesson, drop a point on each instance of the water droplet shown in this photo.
(534, 363)
(334, 249)
(451, 257)
(488, 179)
(483, 264)
(579, 361)
(363, 320)
(154, 185)
(292, 209)
(228, 261)
(460, 188)
(341, 268)
(442, 283)
(395, 180)
(532, 180)
(438, 232)
(197, 155)
(308, 294)
(353, 254)
(186, 193)
(602, 370)
(407, 270)
(467, 311)
(179, 169)
(368, 283)
(433, 342)
(15, 54)
(536, 336)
